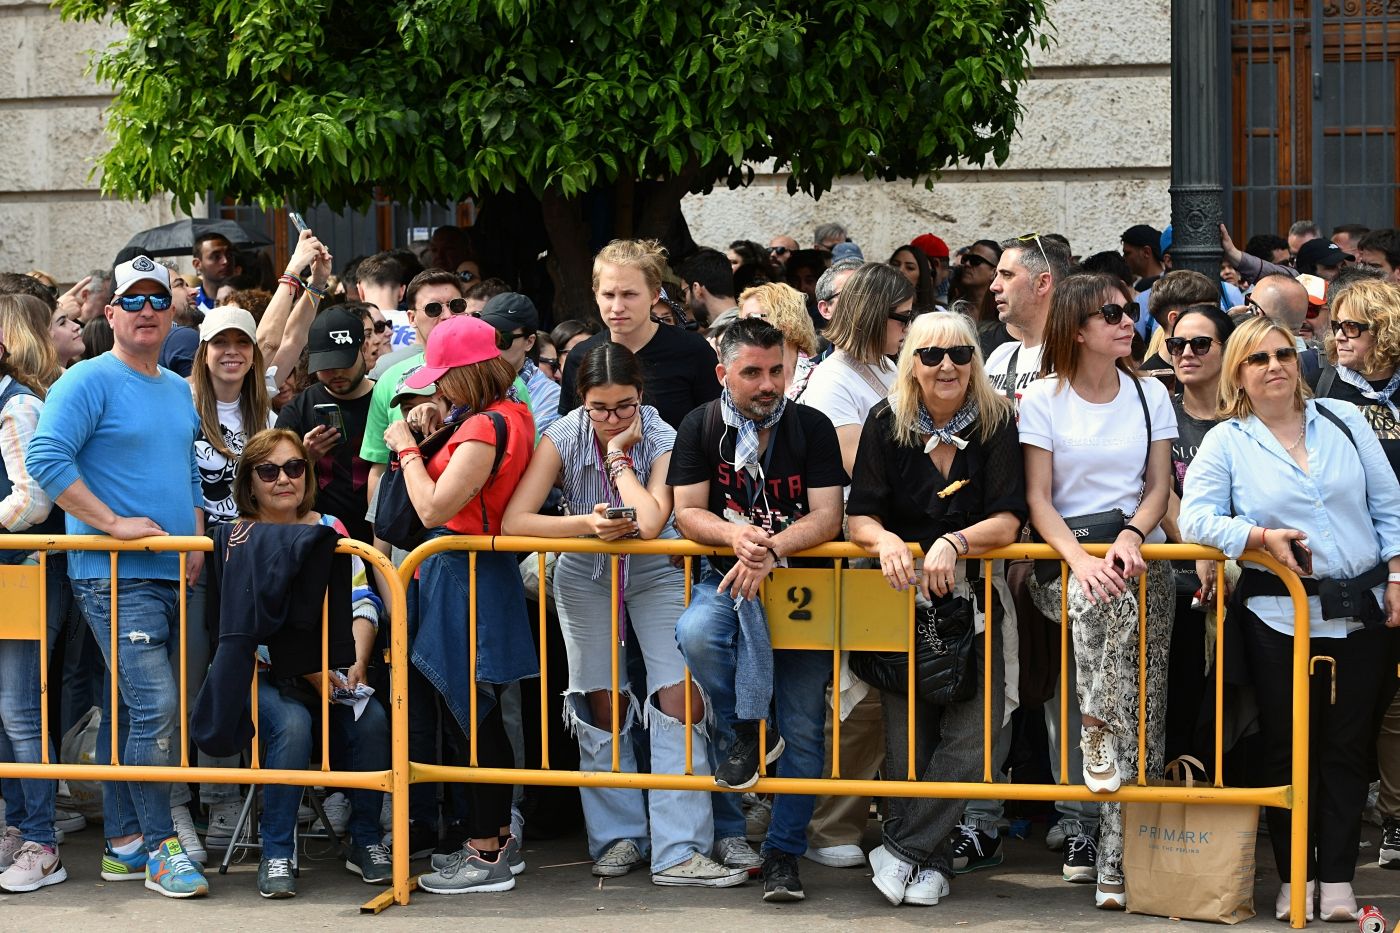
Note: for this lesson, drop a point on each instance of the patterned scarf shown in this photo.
(948, 433)
(461, 412)
(746, 446)
(1384, 397)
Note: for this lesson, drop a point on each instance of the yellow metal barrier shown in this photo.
(848, 609)
(26, 618)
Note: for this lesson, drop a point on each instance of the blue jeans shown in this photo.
(29, 804)
(707, 633)
(148, 723)
(285, 728)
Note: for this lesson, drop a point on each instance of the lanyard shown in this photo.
(754, 485)
(614, 498)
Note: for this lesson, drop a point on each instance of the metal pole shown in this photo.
(1196, 192)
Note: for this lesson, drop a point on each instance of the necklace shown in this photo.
(1302, 431)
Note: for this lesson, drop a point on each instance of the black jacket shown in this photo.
(266, 586)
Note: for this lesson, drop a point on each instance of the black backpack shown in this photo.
(395, 518)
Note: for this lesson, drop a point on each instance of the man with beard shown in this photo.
(762, 477)
(331, 415)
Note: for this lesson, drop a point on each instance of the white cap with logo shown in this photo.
(140, 269)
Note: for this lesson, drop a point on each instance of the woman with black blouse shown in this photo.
(938, 463)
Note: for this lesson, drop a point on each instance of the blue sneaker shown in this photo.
(170, 872)
(117, 867)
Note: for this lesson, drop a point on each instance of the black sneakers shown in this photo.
(1390, 845)
(1081, 858)
(740, 770)
(780, 881)
(974, 849)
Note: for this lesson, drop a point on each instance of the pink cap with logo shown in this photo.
(458, 341)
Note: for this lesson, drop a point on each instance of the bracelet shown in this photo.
(1134, 529)
(411, 449)
(962, 539)
(949, 540)
(411, 457)
(776, 558)
(1393, 578)
(319, 293)
(289, 279)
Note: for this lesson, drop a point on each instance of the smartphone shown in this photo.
(626, 512)
(329, 416)
(1302, 555)
(298, 221)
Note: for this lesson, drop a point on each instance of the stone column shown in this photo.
(1197, 208)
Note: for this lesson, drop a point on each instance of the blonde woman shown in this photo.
(786, 309)
(944, 427)
(1304, 478)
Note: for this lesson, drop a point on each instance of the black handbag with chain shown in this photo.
(944, 669)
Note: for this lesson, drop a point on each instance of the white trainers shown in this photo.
(337, 810)
(701, 872)
(1283, 904)
(34, 867)
(68, 821)
(620, 858)
(223, 819)
(185, 832)
(735, 852)
(927, 887)
(1100, 770)
(1111, 894)
(1336, 902)
(758, 813)
(847, 856)
(10, 844)
(892, 874)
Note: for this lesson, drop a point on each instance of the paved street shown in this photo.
(558, 892)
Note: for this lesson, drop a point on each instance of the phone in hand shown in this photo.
(625, 511)
(1302, 556)
(298, 222)
(328, 415)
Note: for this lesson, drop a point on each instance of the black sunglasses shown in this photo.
(1200, 346)
(553, 363)
(382, 326)
(1261, 358)
(435, 308)
(1352, 329)
(504, 340)
(933, 356)
(1113, 314)
(778, 250)
(267, 472)
(135, 303)
(901, 317)
(972, 260)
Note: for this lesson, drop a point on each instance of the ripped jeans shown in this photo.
(680, 821)
(148, 715)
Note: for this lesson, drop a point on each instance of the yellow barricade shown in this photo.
(841, 609)
(24, 593)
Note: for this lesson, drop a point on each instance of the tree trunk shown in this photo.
(571, 261)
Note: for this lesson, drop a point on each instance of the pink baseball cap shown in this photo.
(933, 246)
(460, 340)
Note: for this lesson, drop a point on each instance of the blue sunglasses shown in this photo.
(134, 303)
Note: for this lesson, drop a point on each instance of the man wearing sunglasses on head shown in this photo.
(115, 449)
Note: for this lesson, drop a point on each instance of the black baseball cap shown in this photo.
(1144, 235)
(334, 341)
(509, 311)
(1320, 252)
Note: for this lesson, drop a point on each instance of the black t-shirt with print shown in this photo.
(806, 456)
(342, 477)
(1190, 431)
(1377, 415)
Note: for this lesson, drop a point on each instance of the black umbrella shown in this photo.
(177, 239)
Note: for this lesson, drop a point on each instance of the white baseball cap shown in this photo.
(140, 269)
(227, 317)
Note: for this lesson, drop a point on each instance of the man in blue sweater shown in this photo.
(115, 447)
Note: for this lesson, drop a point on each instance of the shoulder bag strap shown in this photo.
(1341, 425)
(1146, 457)
(499, 421)
(1324, 385)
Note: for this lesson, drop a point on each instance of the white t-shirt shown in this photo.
(845, 390)
(1027, 366)
(1098, 449)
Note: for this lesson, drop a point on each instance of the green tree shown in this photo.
(566, 102)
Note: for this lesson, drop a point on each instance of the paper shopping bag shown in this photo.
(1192, 861)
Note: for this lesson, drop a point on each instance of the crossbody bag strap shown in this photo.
(1147, 457)
(499, 421)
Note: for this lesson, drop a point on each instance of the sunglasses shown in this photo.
(901, 317)
(503, 341)
(933, 356)
(1352, 329)
(435, 308)
(551, 362)
(134, 303)
(267, 472)
(778, 250)
(382, 326)
(1260, 358)
(1200, 346)
(972, 260)
(1113, 314)
(1036, 237)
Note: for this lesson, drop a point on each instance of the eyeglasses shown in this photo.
(134, 303)
(435, 308)
(933, 356)
(1352, 329)
(1113, 314)
(267, 472)
(972, 260)
(901, 317)
(623, 412)
(1200, 346)
(1041, 247)
(1284, 355)
(778, 250)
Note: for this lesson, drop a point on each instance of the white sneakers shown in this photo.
(1283, 907)
(847, 856)
(34, 867)
(185, 832)
(903, 883)
(1100, 770)
(1336, 902)
(926, 888)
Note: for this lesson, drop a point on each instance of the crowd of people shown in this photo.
(761, 400)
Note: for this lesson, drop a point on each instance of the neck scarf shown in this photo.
(461, 412)
(746, 446)
(948, 433)
(1358, 382)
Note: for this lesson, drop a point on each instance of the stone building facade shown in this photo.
(1093, 155)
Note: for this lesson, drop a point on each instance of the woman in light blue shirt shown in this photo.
(1304, 479)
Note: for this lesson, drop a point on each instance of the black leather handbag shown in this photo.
(944, 667)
